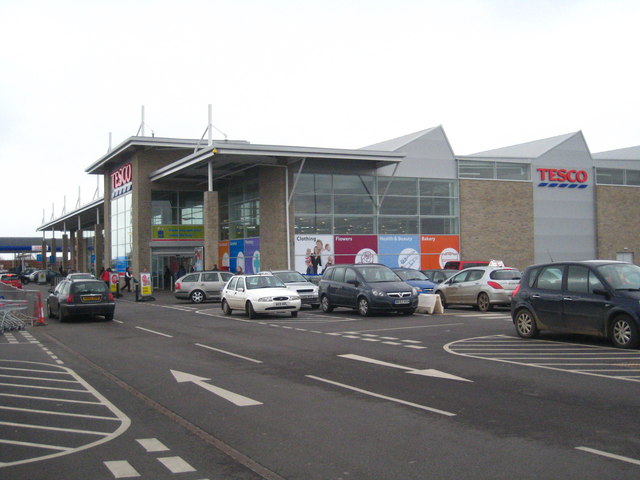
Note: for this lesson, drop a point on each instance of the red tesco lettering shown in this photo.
(121, 176)
(563, 175)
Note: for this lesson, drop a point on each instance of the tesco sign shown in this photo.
(121, 181)
(563, 178)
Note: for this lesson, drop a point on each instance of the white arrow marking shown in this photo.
(430, 372)
(234, 398)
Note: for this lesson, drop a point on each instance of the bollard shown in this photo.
(137, 289)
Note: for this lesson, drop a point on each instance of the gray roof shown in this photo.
(396, 144)
(629, 153)
(528, 150)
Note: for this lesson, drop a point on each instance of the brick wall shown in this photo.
(617, 214)
(496, 221)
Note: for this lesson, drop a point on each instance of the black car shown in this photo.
(367, 288)
(594, 297)
(81, 298)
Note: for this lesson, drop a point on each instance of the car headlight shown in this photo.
(378, 293)
(265, 299)
(414, 290)
(294, 297)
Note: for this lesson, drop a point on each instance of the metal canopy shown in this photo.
(83, 218)
(229, 157)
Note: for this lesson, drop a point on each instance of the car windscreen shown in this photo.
(81, 287)
(264, 281)
(509, 274)
(290, 277)
(621, 276)
(378, 274)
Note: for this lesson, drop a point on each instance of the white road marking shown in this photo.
(425, 372)
(121, 469)
(34, 445)
(152, 445)
(54, 429)
(384, 397)
(609, 455)
(49, 399)
(63, 414)
(236, 399)
(229, 353)
(406, 328)
(153, 331)
(176, 465)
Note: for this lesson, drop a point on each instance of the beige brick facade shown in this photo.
(273, 232)
(617, 214)
(496, 221)
(211, 230)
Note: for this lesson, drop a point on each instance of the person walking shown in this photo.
(106, 276)
(168, 284)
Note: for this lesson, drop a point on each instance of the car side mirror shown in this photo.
(241, 289)
(601, 291)
(353, 282)
(50, 290)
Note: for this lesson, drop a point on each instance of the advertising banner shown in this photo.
(252, 255)
(146, 288)
(436, 250)
(236, 256)
(223, 255)
(114, 281)
(198, 259)
(313, 253)
(356, 249)
(399, 251)
(175, 233)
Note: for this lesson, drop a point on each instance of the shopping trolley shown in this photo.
(11, 317)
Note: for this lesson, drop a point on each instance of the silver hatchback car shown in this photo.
(201, 286)
(482, 287)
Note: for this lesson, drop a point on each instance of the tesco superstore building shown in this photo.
(406, 202)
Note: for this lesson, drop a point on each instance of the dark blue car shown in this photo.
(594, 297)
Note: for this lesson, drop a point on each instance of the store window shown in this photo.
(617, 176)
(121, 232)
(239, 206)
(491, 170)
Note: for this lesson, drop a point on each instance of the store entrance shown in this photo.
(166, 269)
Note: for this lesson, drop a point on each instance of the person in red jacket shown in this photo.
(106, 276)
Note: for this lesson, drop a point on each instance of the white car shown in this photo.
(259, 294)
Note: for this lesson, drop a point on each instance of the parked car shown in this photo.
(201, 286)
(594, 297)
(367, 288)
(80, 276)
(11, 279)
(295, 281)
(259, 294)
(24, 275)
(80, 298)
(439, 276)
(462, 264)
(34, 276)
(416, 279)
(482, 287)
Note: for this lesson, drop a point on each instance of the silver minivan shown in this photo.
(201, 286)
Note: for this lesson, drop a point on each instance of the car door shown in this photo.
(546, 297)
(470, 287)
(334, 289)
(349, 290)
(582, 310)
(240, 294)
(53, 299)
(452, 287)
(211, 283)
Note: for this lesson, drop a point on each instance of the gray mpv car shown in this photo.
(201, 286)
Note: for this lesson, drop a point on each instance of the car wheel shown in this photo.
(443, 300)
(251, 313)
(363, 307)
(326, 306)
(624, 333)
(525, 324)
(294, 314)
(225, 308)
(197, 296)
(61, 317)
(108, 316)
(483, 303)
(25, 281)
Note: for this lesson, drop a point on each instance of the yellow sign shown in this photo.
(145, 282)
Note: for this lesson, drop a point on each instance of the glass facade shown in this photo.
(489, 170)
(239, 206)
(617, 176)
(121, 232)
(364, 204)
(177, 208)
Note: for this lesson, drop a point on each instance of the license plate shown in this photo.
(91, 298)
(402, 302)
(281, 304)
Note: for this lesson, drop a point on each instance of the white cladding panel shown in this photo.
(564, 216)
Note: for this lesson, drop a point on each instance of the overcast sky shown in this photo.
(327, 73)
